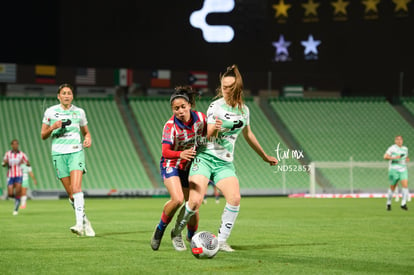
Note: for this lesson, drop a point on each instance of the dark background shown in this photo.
(357, 56)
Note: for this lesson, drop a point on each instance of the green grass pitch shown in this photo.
(271, 236)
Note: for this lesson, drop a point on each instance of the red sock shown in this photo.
(165, 220)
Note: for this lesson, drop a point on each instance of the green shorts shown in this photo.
(212, 168)
(66, 163)
(394, 176)
(26, 183)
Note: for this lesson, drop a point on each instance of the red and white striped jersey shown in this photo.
(182, 137)
(15, 159)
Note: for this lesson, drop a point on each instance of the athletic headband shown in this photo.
(179, 94)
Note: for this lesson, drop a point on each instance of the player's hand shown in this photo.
(218, 123)
(188, 154)
(5, 162)
(407, 159)
(87, 143)
(271, 160)
(57, 125)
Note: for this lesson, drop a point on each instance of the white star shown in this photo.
(310, 45)
(281, 46)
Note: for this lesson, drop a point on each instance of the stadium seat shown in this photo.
(338, 129)
(112, 161)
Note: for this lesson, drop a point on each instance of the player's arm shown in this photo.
(47, 129)
(214, 128)
(25, 159)
(87, 142)
(169, 153)
(5, 161)
(33, 177)
(389, 157)
(255, 145)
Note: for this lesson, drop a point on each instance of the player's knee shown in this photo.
(195, 202)
(177, 201)
(234, 199)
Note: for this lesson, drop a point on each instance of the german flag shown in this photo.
(45, 74)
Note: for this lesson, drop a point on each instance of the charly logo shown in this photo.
(213, 33)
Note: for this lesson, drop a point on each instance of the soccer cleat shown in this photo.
(224, 246)
(89, 232)
(78, 230)
(23, 206)
(177, 241)
(217, 201)
(404, 207)
(15, 213)
(388, 207)
(156, 238)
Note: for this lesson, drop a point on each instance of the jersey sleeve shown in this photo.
(46, 117)
(5, 157)
(169, 153)
(25, 158)
(83, 121)
(168, 133)
(389, 151)
(29, 169)
(247, 115)
(211, 113)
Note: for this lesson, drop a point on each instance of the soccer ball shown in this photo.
(204, 245)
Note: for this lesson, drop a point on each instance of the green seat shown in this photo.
(335, 130)
(112, 161)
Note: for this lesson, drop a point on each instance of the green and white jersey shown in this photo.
(66, 140)
(234, 120)
(397, 164)
(25, 170)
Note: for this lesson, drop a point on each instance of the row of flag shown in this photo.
(46, 74)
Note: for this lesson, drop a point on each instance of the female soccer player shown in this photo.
(65, 123)
(13, 159)
(178, 150)
(26, 171)
(397, 154)
(227, 117)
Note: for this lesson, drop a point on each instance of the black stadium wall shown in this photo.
(348, 46)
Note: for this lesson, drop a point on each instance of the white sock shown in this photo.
(389, 196)
(404, 196)
(227, 221)
(23, 201)
(188, 213)
(79, 204)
